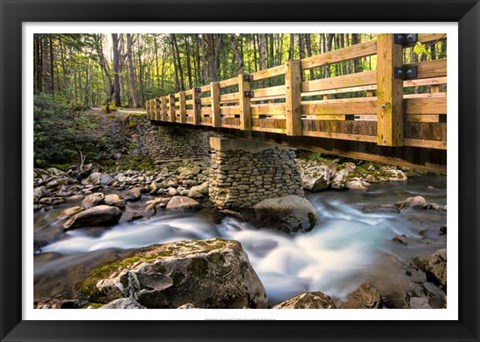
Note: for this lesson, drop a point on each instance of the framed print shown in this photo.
(242, 171)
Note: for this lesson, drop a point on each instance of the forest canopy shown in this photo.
(87, 70)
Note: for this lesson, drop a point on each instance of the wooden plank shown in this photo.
(229, 82)
(206, 110)
(271, 91)
(270, 116)
(430, 105)
(196, 108)
(353, 106)
(346, 81)
(429, 69)
(269, 130)
(268, 109)
(215, 96)
(293, 99)
(425, 81)
(189, 102)
(171, 102)
(266, 73)
(441, 145)
(189, 113)
(323, 117)
(205, 88)
(430, 37)
(230, 126)
(425, 96)
(230, 110)
(244, 104)
(267, 98)
(342, 136)
(206, 101)
(421, 118)
(189, 92)
(389, 92)
(355, 51)
(182, 107)
(233, 97)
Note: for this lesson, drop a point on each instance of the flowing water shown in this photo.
(346, 247)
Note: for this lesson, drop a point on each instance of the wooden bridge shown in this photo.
(371, 115)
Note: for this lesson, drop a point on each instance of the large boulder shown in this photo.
(182, 203)
(288, 214)
(198, 191)
(317, 178)
(133, 194)
(98, 178)
(436, 267)
(101, 215)
(93, 200)
(213, 273)
(308, 300)
(415, 202)
(115, 200)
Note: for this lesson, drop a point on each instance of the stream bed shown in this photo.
(345, 249)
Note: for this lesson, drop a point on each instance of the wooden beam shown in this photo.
(171, 101)
(165, 101)
(293, 99)
(389, 92)
(346, 81)
(196, 107)
(158, 108)
(244, 104)
(183, 107)
(215, 95)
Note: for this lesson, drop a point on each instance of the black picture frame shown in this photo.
(13, 13)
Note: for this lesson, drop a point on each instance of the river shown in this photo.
(346, 248)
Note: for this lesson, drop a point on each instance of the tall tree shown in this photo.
(131, 71)
(116, 70)
(237, 53)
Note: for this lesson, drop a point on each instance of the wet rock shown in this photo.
(365, 297)
(419, 303)
(436, 296)
(317, 177)
(98, 178)
(185, 171)
(160, 202)
(357, 184)
(101, 215)
(40, 192)
(52, 200)
(416, 202)
(93, 200)
(133, 194)
(339, 180)
(115, 200)
(288, 214)
(172, 191)
(380, 208)
(401, 239)
(182, 203)
(396, 300)
(436, 267)
(134, 216)
(416, 275)
(57, 182)
(70, 211)
(308, 300)
(213, 273)
(123, 303)
(74, 198)
(198, 190)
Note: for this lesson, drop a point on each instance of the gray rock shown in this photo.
(100, 215)
(397, 300)
(357, 184)
(133, 194)
(382, 208)
(93, 200)
(419, 303)
(339, 180)
(288, 214)
(70, 211)
(416, 202)
(182, 203)
(115, 200)
(308, 300)
(213, 273)
(123, 303)
(401, 239)
(436, 267)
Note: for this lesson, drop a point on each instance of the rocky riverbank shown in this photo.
(162, 275)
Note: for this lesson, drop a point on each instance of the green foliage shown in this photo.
(62, 136)
(317, 156)
(420, 50)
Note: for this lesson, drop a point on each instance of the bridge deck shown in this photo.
(372, 107)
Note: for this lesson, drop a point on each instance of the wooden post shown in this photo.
(158, 109)
(293, 100)
(172, 108)
(215, 95)
(244, 103)
(146, 108)
(165, 104)
(196, 107)
(183, 107)
(389, 92)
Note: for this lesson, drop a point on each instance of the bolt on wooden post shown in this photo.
(244, 103)
(215, 95)
(293, 100)
(389, 92)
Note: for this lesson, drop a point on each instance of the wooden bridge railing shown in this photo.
(375, 111)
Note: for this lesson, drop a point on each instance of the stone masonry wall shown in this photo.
(244, 172)
(168, 142)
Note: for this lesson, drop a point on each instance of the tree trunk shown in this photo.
(52, 64)
(237, 53)
(189, 65)
(291, 50)
(181, 85)
(131, 71)
(116, 70)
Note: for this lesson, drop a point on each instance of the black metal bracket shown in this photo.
(248, 93)
(198, 90)
(198, 101)
(405, 39)
(247, 78)
(405, 72)
(172, 96)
